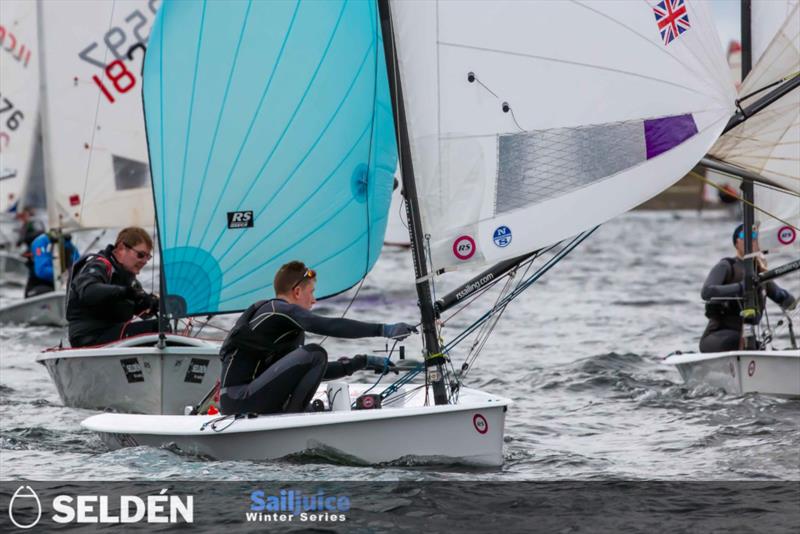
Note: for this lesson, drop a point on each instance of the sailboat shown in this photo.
(762, 149)
(19, 109)
(97, 176)
(509, 127)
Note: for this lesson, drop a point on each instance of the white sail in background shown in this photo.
(19, 98)
(95, 146)
(608, 103)
(768, 143)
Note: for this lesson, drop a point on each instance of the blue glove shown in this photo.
(398, 331)
(381, 365)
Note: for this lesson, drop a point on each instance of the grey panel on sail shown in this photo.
(536, 166)
(129, 173)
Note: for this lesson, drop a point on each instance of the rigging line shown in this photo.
(768, 86)
(94, 126)
(577, 240)
(742, 200)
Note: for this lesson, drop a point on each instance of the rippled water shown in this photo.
(579, 354)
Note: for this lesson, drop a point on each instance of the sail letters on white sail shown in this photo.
(96, 167)
(19, 98)
(768, 143)
(271, 139)
(532, 121)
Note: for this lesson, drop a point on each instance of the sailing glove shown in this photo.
(789, 303)
(398, 331)
(380, 365)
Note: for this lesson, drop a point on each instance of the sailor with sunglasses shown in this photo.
(723, 291)
(266, 365)
(103, 295)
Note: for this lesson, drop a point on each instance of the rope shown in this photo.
(702, 178)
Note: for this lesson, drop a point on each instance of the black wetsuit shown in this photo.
(266, 368)
(723, 290)
(102, 297)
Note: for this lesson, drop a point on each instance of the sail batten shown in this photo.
(289, 157)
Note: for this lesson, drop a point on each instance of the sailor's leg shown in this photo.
(720, 341)
(286, 386)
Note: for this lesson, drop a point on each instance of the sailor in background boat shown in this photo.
(723, 291)
(267, 368)
(104, 296)
(40, 263)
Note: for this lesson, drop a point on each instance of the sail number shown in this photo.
(15, 118)
(118, 44)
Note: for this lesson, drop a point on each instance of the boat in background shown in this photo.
(496, 137)
(762, 150)
(97, 176)
(18, 126)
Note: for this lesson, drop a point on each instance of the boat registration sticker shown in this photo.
(480, 424)
(786, 235)
(133, 370)
(464, 247)
(196, 371)
(751, 368)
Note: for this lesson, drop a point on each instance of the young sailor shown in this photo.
(40, 264)
(266, 365)
(104, 295)
(722, 291)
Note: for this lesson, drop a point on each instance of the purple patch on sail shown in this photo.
(664, 134)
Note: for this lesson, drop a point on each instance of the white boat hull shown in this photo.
(134, 376)
(739, 372)
(13, 269)
(47, 309)
(470, 432)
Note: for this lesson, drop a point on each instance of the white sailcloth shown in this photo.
(95, 147)
(576, 112)
(768, 143)
(19, 98)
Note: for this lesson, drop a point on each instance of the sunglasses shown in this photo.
(754, 235)
(139, 254)
(310, 274)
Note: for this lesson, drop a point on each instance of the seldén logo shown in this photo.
(23, 498)
(240, 219)
(159, 508)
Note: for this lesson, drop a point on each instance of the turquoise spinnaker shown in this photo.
(271, 139)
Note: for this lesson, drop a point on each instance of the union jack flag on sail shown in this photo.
(672, 19)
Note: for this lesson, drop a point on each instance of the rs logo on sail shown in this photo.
(240, 219)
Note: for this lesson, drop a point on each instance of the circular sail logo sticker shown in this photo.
(464, 247)
(502, 236)
(24, 503)
(480, 424)
(786, 235)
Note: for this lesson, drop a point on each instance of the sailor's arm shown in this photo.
(93, 287)
(714, 286)
(780, 296)
(334, 326)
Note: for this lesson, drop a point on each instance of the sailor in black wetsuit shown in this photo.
(723, 290)
(104, 295)
(266, 368)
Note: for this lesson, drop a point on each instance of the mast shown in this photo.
(750, 312)
(53, 219)
(434, 359)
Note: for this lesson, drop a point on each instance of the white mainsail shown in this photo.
(19, 98)
(524, 130)
(95, 147)
(768, 143)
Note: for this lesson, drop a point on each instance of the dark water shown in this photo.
(579, 353)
